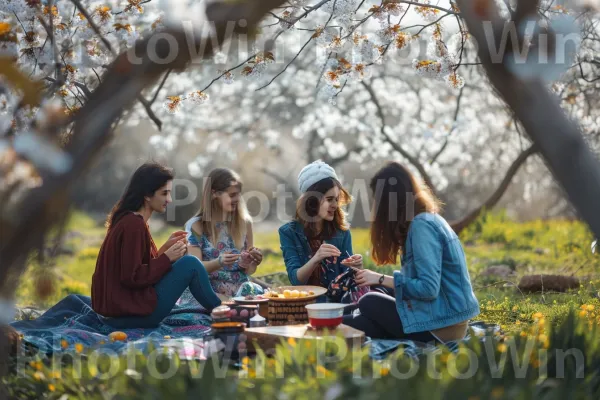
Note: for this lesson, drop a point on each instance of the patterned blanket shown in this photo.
(72, 322)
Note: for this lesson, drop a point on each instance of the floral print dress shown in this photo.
(230, 280)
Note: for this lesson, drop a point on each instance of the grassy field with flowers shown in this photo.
(527, 361)
(552, 247)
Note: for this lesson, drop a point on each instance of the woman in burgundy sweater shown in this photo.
(135, 284)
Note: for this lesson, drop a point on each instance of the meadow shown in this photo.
(553, 247)
(537, 329)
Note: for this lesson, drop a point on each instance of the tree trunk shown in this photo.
(491, 202)
(558, 139)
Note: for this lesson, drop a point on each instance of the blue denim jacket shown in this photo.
(433, 289)
(296, 251)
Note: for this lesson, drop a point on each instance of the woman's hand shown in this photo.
(326, 251)
(176, 251)
(355, 261)
(256, 255)
(228, 259)
(365, 277)
(174, 238)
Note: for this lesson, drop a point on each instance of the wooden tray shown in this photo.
(319, 291)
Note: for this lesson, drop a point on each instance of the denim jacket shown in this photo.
(433, 289)
(296, 251)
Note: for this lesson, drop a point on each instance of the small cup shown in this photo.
(257, 321)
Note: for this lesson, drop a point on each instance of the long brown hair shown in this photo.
(145, 181)
(398, 197)
(307, 209)
(219, 180)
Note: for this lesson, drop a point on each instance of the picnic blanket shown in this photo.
(380, 349)
(73, 322)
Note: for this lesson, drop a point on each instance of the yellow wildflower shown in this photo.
(51, 387)
(502, 348)
(292, 342)
(322, 370)
(38, 376)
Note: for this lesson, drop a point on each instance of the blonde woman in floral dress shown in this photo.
(220, 235)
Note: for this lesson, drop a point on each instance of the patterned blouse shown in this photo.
(228, 279)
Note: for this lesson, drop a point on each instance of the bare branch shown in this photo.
(160, 86)
(458, 226)
(428, 6)
(281, 180)
(447, 140)
(397, 147)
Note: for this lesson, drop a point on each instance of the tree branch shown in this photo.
(281, 180)
(447, 140)
(461, 224)
(397, 147)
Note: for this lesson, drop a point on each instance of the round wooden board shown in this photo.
(242, 301)
(319, 291)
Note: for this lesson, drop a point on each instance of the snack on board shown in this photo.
(255, 297)
(288, 294)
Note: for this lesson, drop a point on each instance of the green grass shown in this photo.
(552, 321)
(556, 246)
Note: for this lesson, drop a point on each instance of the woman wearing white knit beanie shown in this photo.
(317, 244)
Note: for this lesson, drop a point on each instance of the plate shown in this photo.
(243, 300)
(319, 291)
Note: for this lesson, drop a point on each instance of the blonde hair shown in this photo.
(219, 180)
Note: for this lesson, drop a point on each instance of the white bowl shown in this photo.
(325, 315)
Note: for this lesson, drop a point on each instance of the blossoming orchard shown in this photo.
(474, 97)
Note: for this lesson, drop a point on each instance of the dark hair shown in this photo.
(307, 208)
(145, 181)
(398, 198)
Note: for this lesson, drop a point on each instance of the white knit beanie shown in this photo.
(313, 173)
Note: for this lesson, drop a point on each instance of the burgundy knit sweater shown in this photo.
(127, 268)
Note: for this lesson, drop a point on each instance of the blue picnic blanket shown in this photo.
(72, 321)
(380, 349)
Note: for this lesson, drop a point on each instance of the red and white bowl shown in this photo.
(325, 315)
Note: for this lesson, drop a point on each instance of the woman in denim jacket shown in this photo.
(434, 299)
(317, 245)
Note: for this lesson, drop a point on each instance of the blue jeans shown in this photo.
(188, 271)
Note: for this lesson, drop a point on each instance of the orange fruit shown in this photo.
(118, 336)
